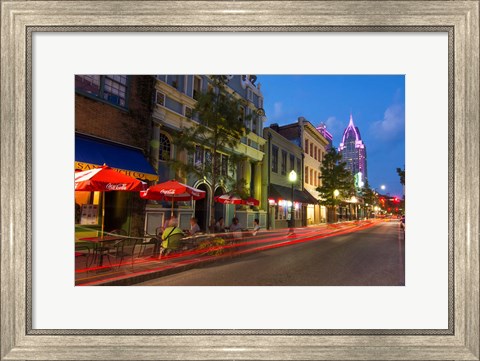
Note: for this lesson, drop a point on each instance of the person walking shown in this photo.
(256, 227)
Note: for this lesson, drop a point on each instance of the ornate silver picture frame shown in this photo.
(20, 19)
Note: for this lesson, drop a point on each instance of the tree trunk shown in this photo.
(331, 214)
(211, 227)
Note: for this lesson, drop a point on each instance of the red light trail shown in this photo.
(269, 240)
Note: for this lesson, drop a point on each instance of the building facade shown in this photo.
(283, 156)
(305, 135)
(354, 153)
(174, 101)
(112, 127)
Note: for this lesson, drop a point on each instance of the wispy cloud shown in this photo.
(282, 113)
(277, 111)
(392, 126)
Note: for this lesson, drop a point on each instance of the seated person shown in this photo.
(168, 239)
(235, 226)
(220, 225)
(236, 229)
(194, 227)
(172, 222)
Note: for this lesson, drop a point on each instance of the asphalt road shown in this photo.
(369, 257)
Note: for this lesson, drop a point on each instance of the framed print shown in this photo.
(430, 47)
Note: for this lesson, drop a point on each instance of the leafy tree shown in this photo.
(401, 174)
(221, 125)
(334, 177)
(369, 196)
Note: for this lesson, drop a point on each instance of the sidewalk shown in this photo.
(147, 268)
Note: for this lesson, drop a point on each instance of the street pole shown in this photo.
(292, 214)
(292, 177)
(335, 195)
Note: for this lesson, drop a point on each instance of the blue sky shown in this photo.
(377, 103)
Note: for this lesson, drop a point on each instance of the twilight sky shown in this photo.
(377, 103)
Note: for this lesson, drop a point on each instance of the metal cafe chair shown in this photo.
(82, 252)
(125, 248)
(153, 240)
(109, 250)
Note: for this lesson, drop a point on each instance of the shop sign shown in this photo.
(139, 175)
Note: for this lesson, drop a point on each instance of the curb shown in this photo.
(132, 280)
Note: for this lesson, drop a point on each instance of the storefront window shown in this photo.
(110, 88)
(224, 165)
(164, 152)
(88, 83)
(115, 89)
(281, 210)
(87, 208)
(274, 159)
(208, 159)
(284, 162)
(199, 157)
(298, 209)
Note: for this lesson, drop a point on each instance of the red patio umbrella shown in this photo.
(228, 199)
(106, 179)
(251, 201)
(172, 191)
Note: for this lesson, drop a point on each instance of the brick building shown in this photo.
(112, 127)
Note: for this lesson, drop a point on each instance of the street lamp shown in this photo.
(382, 187)
(336, 193)
(292, 177)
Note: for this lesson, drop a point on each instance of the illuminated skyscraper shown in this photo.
(353, 151)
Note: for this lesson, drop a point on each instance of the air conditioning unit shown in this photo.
(115, 99)
(160, 99)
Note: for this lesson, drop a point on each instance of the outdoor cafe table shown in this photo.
(100, 242)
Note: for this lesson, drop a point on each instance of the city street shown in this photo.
(368, 257)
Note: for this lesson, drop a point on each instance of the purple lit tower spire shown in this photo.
(353, 150)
